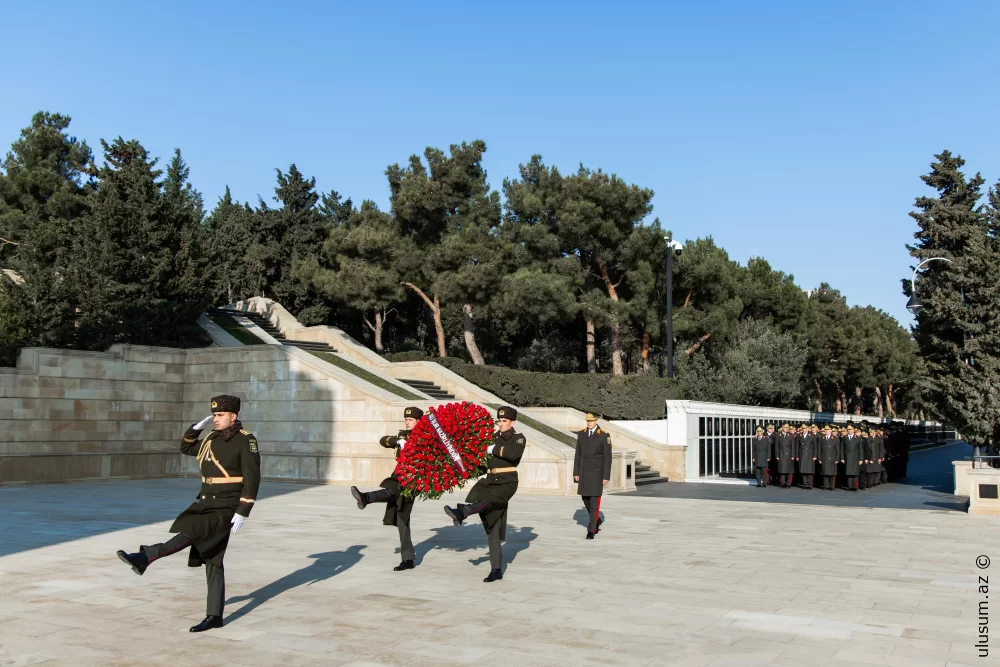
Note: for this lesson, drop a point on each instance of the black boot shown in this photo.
(463, 512)
(590, 535)
(599, 522)
(405, 565)
(364, 499)
(495, 575)
(209, 623)
(137, 561)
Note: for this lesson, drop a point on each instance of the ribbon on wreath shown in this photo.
(446, 441)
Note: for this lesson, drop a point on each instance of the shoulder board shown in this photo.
(520, 438)
(244, 431)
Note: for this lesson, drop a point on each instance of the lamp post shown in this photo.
(673, 247)
(914, 304)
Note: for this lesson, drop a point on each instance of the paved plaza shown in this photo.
(669, 581)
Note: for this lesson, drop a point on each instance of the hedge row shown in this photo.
(628, 397)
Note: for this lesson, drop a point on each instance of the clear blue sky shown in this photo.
(792, 130)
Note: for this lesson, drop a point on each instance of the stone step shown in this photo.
(652, 480)
(429, 388)
(644, 474)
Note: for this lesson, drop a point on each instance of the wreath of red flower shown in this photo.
(425, 469)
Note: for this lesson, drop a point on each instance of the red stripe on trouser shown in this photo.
(597, 514)
(172, 551)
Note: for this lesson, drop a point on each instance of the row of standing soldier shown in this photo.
(851, 457)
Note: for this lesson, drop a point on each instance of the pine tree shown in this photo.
(957, 328)
(43, 197)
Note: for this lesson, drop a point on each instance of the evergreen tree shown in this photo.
(359, 267)
(957, 329)
(43, 196)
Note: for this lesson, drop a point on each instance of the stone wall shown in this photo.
(69, 415)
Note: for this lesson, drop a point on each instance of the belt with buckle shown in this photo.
(221, 480)
(494, 471)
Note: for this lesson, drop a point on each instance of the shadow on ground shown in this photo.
(326, 566)
(928, 486)
(472, 537)
(45, 514)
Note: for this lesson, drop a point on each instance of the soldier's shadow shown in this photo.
(472, 536)
(326, 565)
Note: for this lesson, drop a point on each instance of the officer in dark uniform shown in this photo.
(807, 455)
(772, 467)
(883, 475)
(230, 469)
(828, 456)
(761, 456)
(784, 454)
(851, 456)
(398, 507)
(592, 469)
(491, 494)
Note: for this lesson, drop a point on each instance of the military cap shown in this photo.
(507, 412)
(786, 424)
(827, 427)
(591, 417)
(770, 425)
(226, 403)
(760, 428)
(415, 413)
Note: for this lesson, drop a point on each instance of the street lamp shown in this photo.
(914, 304)
(673, 248)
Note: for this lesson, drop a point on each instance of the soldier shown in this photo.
(398, 507)
(761, 456)
(807, 456)
(883, 475)
(772, 467)
(851, 456)
(828, 455)
(592, 469)
(230, 469)
(491, 494)
(784, 455)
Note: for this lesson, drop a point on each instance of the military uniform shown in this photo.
(806, 453)
(592, 466)
(490, 496)
(784, 454)
(230, 472)
(761, 445)
(398, 507)
(852, 456)
(828, 456)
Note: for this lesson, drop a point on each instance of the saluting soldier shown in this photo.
(851, 456)
(398, 507)
(784, 455)
(807, 456)
(230, 477)
(491, 495)
(828, 456)
(761, 456)
(592, 469)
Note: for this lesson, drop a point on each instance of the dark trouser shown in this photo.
(829, 481)
(807, 480)
(496, 547)
(405, 541)
(591, 503)
(784, 479)
(852, 481)
(884, 476)
(215, 577)
(761, 476)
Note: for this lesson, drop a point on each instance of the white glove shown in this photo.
(238, 520)
(401, 442)
(203, 423)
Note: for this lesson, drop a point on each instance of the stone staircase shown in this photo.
(271, 330)
(429, 388)
(645, 475)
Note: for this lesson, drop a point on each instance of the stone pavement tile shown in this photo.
(958, 653)
(462, 655)
(856, 655)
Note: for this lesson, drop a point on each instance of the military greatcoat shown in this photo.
(497, 488)
(592, 463)
(230, 471)
(403, 505)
